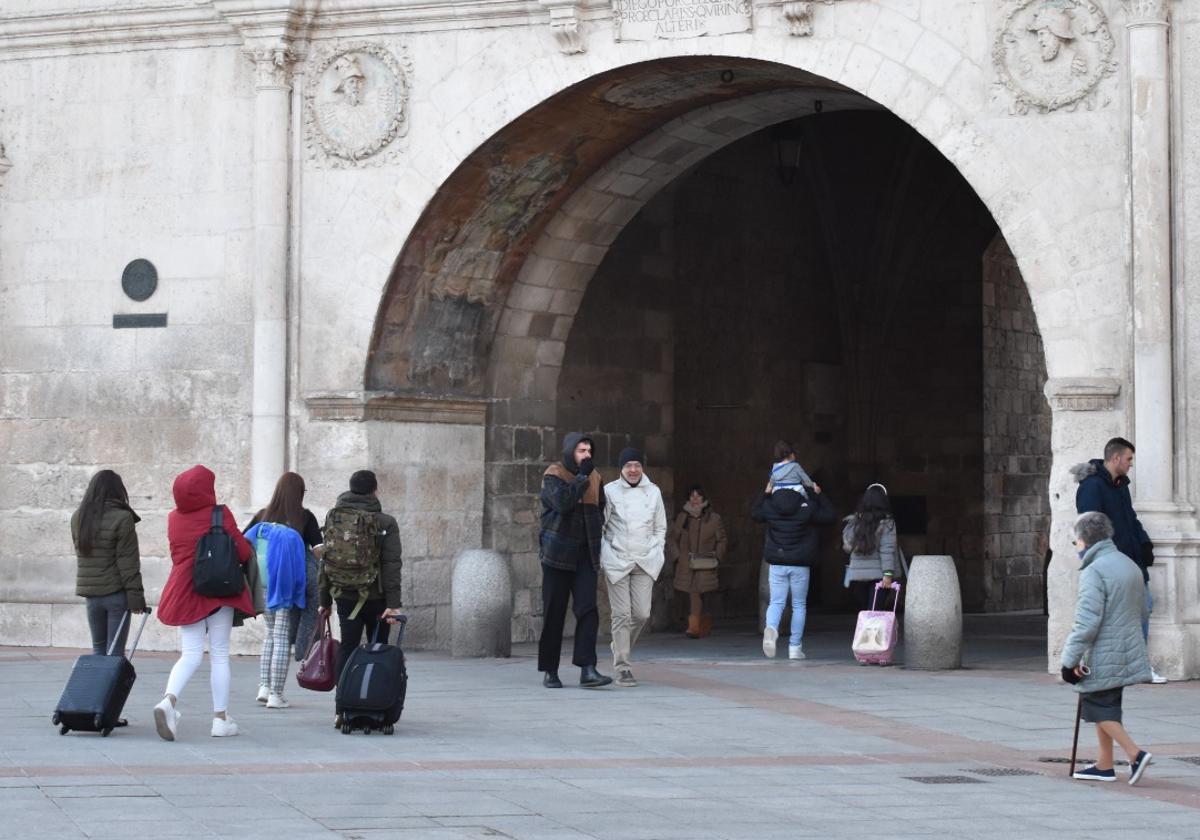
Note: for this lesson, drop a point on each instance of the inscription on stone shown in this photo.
(645, 20)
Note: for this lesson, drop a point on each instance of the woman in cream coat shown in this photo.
(631, 554)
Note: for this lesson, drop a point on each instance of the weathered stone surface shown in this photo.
(481, 602)
(933, 615)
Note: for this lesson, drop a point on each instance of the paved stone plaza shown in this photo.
(715, 743)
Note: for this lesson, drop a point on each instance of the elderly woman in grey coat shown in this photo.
(1106, 651)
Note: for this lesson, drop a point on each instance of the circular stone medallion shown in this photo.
(1052, 54)
(357, 100)
(139, 279)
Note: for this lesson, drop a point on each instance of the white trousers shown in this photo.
(217, 627)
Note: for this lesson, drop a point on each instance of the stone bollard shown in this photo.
(481, 604)
(933, 615)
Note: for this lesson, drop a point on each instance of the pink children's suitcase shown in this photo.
(876, 632)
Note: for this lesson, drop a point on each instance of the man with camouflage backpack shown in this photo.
(361, 563)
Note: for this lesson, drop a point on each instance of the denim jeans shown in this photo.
(785, 580)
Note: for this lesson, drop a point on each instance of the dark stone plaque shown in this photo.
(139, 279)
(130, 322)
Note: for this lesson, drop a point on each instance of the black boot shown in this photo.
(589, 677)
(551, 680)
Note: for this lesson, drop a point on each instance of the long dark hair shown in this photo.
(873, 508)
(287, 502)
(106, 486)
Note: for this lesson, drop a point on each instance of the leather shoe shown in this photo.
(589, 677)
(551, 680)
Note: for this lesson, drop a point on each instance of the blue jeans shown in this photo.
(785, 579)
(1149, 609)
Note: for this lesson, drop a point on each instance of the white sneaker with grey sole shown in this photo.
(166, 719)
(770, 634)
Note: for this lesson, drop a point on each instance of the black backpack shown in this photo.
(216, 571)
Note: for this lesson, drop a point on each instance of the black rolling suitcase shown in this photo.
(97, 689)
(372, 685)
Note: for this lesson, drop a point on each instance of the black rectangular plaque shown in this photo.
(139, 321)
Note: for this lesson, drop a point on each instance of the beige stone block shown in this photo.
(25, 624)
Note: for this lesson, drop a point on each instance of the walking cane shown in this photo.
(1075, 742)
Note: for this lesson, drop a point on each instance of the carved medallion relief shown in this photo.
(355, 104)
(1053, 54)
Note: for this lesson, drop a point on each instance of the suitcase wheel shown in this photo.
(98, 720)
(105, 732)
(389, 729)
(347, 729)
(56, 719)
(64, 729)
(367, 730)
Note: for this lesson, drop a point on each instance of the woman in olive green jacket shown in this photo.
(109, 573)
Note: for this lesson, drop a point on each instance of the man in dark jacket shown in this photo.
(790, 550)
(359, 612)
(572, 518)
(1104, 488)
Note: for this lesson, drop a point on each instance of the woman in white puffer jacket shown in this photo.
(631, 554)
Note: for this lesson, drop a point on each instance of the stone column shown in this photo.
(1150, 186)
(268, 431)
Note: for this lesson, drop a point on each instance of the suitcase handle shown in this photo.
(137, 638)
(895, 601)
(385, 625)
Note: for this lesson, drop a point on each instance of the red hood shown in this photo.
(195, 489)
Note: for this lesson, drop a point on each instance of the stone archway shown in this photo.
(483, 297)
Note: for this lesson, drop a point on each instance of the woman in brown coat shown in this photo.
(698, 540)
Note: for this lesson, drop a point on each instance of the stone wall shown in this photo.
(140, 154)
(1016, 439)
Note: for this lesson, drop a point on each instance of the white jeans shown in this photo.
(217, 627)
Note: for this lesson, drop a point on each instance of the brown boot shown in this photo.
(705, 625)
(693, 630)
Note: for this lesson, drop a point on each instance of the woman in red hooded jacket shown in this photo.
(198, 615)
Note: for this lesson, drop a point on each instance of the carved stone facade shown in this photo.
(374, 238)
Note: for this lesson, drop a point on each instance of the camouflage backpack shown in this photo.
(351, 552)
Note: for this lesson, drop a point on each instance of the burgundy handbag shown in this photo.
(318, 671)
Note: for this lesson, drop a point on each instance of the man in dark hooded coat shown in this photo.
(569, 548)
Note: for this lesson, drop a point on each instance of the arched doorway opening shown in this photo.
(521, 281)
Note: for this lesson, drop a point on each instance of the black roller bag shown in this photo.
(373, 682)
(97, 689)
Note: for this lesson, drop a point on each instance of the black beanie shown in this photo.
(629, 454)
(363, 483)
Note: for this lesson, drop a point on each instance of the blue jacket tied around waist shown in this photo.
(283, 567)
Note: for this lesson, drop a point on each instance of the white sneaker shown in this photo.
(277, 701)
(1157, 678)
(166, 719)
(263, 694)
(224, 727)
(796, 652)
(770, 634)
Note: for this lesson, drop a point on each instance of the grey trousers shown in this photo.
(104, 616)
(629, 600)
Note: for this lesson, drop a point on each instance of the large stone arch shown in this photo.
(484, 310)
